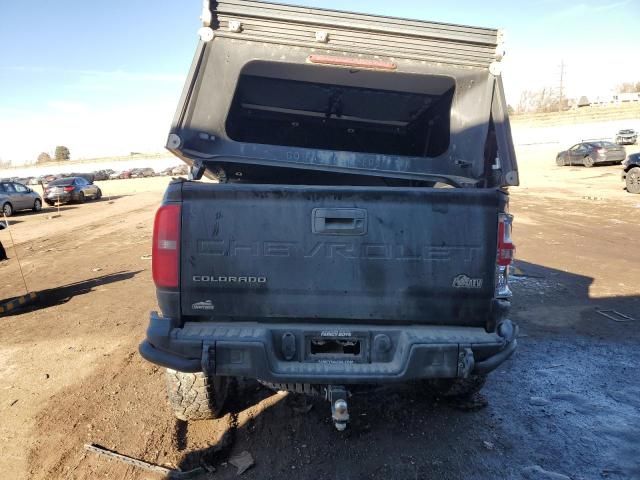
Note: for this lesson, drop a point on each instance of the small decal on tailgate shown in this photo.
(464, 281)
(206, 305)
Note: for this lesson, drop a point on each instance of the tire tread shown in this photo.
(193, 396)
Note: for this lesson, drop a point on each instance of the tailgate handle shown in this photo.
(339, 221)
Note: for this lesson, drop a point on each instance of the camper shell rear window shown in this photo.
(342, 109)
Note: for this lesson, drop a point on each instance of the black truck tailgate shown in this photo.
(355, 254)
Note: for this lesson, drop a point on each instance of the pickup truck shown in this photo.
(626, 137)
(631, 173)
(357, 228)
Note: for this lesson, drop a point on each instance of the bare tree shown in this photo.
(44, 157)
(541, 101)
(628, 87)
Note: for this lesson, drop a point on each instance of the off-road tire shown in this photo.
(37, 205)
(195, 396)
(457, 387)
(588, 162)
(7, 209)
(633, 180)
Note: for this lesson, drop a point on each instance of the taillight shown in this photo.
(166, 247)
(504, 256)
(68, 189)
(506, 248)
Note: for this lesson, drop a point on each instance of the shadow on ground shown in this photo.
(111, 198)
(49, 209)
(59, 295)
(550, 300)
(12, 221)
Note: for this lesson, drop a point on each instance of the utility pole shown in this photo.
(562, 67)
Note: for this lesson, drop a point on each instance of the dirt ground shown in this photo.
(567, 405)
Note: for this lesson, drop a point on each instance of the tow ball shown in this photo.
(337, 397)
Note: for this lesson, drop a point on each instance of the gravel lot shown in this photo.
(566, 406)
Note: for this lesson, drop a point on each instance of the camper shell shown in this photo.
(298, 88)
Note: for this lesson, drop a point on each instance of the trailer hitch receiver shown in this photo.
(337, 396)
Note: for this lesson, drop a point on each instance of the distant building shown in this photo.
(614, 98)
(627, 97)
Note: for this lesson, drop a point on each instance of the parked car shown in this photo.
(626, 137)
(177, 170)
(16, 196)
(71, 189)
(142, 172)
(102, 174)
(125, 174)
(631, 173)
(89, 177)
(180, 170)
(591, 153)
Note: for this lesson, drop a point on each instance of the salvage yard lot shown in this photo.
(568, 402)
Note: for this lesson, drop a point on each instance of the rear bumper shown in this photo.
(54, 198)
(386, 354)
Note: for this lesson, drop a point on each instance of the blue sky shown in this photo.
(104, 77)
